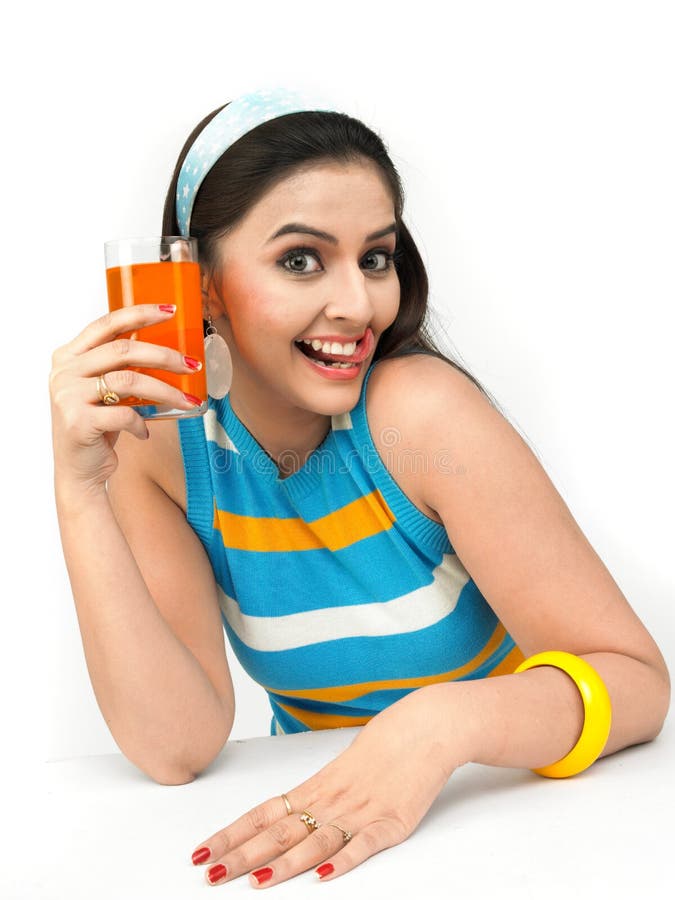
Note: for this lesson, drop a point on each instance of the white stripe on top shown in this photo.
(413, 611)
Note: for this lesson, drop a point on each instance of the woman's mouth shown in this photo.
(364, 348)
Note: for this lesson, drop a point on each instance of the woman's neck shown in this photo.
(287, 440)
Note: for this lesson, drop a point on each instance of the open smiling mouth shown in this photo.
(339, 361)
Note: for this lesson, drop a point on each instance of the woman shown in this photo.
(454, 610)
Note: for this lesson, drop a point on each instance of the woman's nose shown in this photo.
(350, 296)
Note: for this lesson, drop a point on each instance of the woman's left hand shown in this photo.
(378, 789)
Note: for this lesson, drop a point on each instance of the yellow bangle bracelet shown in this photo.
(597, 711)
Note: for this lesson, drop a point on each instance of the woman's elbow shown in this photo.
(654, 700)
(663, 696)
(183, 768)
(173, 776)
(175, 773)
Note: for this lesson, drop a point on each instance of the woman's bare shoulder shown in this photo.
(395, 387)
(414, 365)
(405, 384)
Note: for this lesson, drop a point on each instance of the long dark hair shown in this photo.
(273, 151)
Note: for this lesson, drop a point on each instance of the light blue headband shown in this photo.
(231, 123)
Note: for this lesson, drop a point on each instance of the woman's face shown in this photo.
(279, 289)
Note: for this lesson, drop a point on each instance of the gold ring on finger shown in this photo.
(289, 811)
(105, 395)
(309, 821)
(346, 835)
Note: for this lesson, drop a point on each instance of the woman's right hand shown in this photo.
(84, 431)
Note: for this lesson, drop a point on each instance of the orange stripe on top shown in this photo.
(341, 693)
(509, 664)
(317, 720)
(362, 518)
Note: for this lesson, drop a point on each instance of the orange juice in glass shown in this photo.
(161, 270)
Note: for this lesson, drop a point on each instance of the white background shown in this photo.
(536, 144)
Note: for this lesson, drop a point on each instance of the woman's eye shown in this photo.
(294, 261)
(387, 257)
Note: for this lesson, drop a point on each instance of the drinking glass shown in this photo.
(161, 270)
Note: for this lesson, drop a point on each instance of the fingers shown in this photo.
(80, 418)
(128, 383)
(123, 352)
(369, 841)
(85, 430)
(272, 846)
(83, 417)
(268, 845)
(314, 849)
(325, 848)
(76, 381)
(99, 350)
(244, 828)
(109, 326)
(108, 419)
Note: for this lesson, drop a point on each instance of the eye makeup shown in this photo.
(390, 258)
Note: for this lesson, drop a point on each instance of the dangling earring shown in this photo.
(218, 363)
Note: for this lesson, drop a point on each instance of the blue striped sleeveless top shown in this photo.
(338, 595)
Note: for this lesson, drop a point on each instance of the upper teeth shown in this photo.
(334, 349)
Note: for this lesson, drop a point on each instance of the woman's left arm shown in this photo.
(528, 557)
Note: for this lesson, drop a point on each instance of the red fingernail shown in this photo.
(325, 869)
(192, 363)
(216, 873)
(167, 307)
(201, 855)
(262, 875)
(192, 399)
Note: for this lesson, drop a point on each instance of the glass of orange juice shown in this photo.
(161, 270)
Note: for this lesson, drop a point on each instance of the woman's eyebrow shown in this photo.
(299, 228)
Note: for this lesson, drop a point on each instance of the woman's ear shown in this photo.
(212, 304)
(206, 305)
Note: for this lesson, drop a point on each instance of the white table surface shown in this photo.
(95, 827)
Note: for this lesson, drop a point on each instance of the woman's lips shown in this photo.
(363, 349)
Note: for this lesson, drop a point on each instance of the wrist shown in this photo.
(523, 721)
(455, 720)
(74, 498)
(437, 715)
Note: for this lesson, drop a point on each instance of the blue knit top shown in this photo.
(338, 595)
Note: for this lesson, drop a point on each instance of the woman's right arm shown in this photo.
(143, 587)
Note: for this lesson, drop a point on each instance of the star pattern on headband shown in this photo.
(235, 120)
